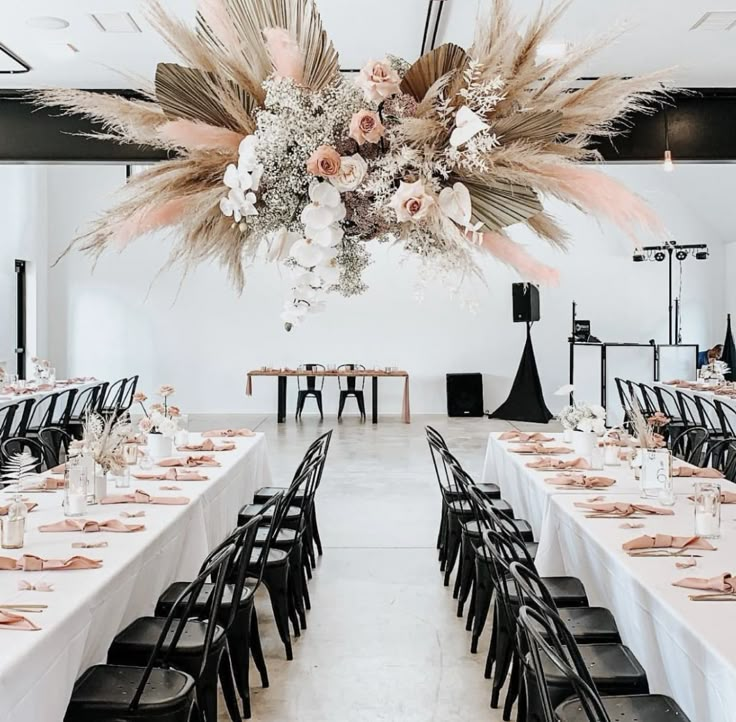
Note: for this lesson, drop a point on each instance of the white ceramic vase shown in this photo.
(583, 443)
(159, 446)
(567, 436)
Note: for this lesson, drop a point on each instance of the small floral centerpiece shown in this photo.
(583, 422)
(104, 440)
(41, 368)
(160, 422)
(715, 371)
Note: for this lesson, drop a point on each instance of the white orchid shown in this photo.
(467, 125)
(237, 204)
(329, 272)
(326, 237)
(307, 253)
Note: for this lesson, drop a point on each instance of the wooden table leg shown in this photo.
(281, 413)
(374, 400)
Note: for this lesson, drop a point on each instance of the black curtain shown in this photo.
(729, 351)
(526, 400)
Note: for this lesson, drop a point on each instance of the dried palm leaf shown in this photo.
(543, 126)
(424, 73)
(498, 204)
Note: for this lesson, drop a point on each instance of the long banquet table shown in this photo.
(687, 648)
(88, 607)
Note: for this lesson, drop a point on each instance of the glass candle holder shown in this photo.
(13, 531)
(121, 478)
(707, 500)
(75, 487)
(130, 453)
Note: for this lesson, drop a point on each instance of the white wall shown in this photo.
(24, 223)
(203, 338)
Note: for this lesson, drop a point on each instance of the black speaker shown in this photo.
(464, 395)
(526, 302)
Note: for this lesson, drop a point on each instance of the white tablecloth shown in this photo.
(88, 607)
(688, 648)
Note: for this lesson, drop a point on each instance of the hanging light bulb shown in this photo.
(668, 166)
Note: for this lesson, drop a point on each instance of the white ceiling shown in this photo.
(659, 37)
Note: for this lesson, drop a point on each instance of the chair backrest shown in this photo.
(530, 588)
(276, 500)
(721, 454)
(305, 482)
(182, 610)
(22, 416)
(351, 382)
(727, 417)
(651, 405)
(126, 395)
(636, 396)
(319, 447)
(112, 397)
(547, 636)
(86, 400)
(101, 394)
(63, 404)
(55, 443)
(19, 444)
(445, 478)
(708, 414)
(41, 414)
(668, 403)
(311, 381)
(7, 414)
(690, 413)
(691, 445)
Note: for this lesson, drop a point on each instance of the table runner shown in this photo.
(87, 608)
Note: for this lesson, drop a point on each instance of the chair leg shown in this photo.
(305, 588)
(277, 581)
(301, 398)
(504, 655)
(491, 657)
(315, 531)
(319, 406)
(483, 594)
(341, 406)
(361, 404)
(465, 573)
(225, 674)
(471, 607)
(254, 639)
(453, 545)
(295, 581)
(512, 692)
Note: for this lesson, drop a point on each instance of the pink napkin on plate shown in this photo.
(142, 497)
(207, 445)
(722, 583)
(525, 437)
(32, 563)
(30, 506)
(620, 508)
(170, 475)
(539, 449)
(201, 460)
(9, 620)
(696, 472)
(666, 541)
(549, 464)
(229, 433)
(580, 480)
(91, 526)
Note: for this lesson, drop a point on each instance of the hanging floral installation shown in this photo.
(277, 155)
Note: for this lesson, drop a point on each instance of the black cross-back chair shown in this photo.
(112, 397)
(85, 402)
(126, 395)
(7, 414)
(670, 407)
(158, 689)
(709, 416)
(566, 591)
(17, 445)
(649, 397)
(691, 445)
(721, 454)
(727, 417)
(351, 389)
(56, 444)
(625, 399)
(310, 390)
(689, 410)
(21, 417)
(40, 415)
(553, 650)
(63, 404)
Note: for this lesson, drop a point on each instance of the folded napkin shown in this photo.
(169, 488)
(581, 480)
(132, 514)
(89, 545)
(524, 437)
(142, 497)
(549, 464)
(539, 449)
(90, 526)
(722, 583)
(170, 475)
(695, 471)
(32, 563)
(25, 586)
(9, 620)
(622, 509)
(665, 541)
(207, 445)
(229, 433)
(201, 460)
(30, 506)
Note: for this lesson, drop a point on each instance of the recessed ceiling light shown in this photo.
(116, 22)
(552, 51)
(46, 22)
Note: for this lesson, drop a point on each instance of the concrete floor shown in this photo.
(383, 643)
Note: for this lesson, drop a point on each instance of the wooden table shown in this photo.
(374, 374)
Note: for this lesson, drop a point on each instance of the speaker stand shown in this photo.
(526, 400)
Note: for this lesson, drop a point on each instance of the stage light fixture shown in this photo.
(639, 257)
(681, 255)
(701, 255)
(659, 256)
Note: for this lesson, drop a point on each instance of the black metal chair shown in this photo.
(351, 389)
(63, 404)
(18, 444)
(624, 396)
(310, 390)
(56, 444)
(40, 416)
(85, 402)
(691, 445)
(24, 409)
(670, 407)
(688, 408)
(112, 398)
(133, 692)
(198, 646)
(7, 414)
(126, 395)
(726, 416)
(709, 416)
(554, 656)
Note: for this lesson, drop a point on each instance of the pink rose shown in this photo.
(411, 202)
(174, 411)
(166, 390)
(157, 408)
(145, 425)
(378, 80)
(140, 397)
(325, 162)
(366, 126)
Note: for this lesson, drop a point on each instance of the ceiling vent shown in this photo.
(115, 22)
(716, 20)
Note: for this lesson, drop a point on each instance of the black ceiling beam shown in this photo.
(700, 130)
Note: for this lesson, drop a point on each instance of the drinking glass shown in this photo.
(707, 500)
(121, 478)
(52, 375)
(11, 379)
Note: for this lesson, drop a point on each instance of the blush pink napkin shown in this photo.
(694, 471)
(170, 475)
(25, 586)
(91, 526)
(32, 563)
(549, 464)
(722, 583)
(229, 433)
(581, 480)
(539, 449)
(201, 460)
(30, 506)
(622, 508)
(665, 541)
(9, 620)
(207, 445)
(142, 497)
(525, 437)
